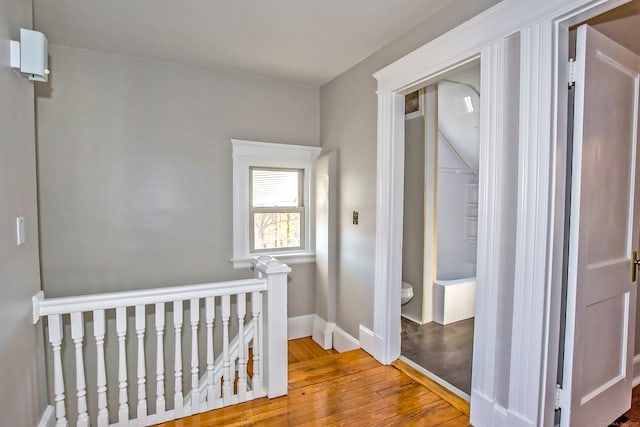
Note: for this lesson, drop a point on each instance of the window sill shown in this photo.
(287, 258)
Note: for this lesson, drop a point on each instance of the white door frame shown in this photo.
(534, 348)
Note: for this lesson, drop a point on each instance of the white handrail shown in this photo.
(109, 300)
(266, 332)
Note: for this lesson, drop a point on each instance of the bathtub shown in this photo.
(454, 300)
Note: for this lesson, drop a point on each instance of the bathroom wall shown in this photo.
(457, 208)
(456, 254)
(413, 227)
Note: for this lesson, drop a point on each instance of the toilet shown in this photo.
(407, 293)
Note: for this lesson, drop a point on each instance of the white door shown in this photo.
(603, 233)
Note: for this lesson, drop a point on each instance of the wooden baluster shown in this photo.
(142, 371)
(194, 309)
(177, 326)
(55, 338)
(209, 317)
(77, 335)
(256, 313)
(241, 303)
(98, 333)
(227, 385)
(121, 331)
(160, 403)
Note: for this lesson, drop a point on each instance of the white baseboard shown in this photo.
(485, 411)
(300, 326)
(367, 340)
(48, 418)
(412, 318)
(374, 345)
(636, 370)
(515, 419)
(323, 332)
(342, 341)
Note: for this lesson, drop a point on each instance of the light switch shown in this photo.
(355, 217)
(20, 230)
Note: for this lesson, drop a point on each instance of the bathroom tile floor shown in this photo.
(445, 351)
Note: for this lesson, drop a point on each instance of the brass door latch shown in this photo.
(634, 265)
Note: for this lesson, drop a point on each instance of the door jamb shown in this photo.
(535, 326)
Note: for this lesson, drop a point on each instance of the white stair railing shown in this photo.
(225, 380)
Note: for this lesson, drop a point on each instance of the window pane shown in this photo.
(275, 188)
(276, 230)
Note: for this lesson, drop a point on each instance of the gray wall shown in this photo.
(348, 108)
(22, 384)
(135, 169)
(413, 224)
(456, 257)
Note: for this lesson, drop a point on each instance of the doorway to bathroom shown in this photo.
(440, 228)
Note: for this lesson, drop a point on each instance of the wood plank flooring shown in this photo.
(331, 389)
(445, 351)
(632, 416)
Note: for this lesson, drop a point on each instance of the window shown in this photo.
(276, 209)
(273, 194)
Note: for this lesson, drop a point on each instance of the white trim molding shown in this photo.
(367, 340)
(488, 411)
(329, 335)
(252, 153)
(300, 326)
(491, 219)
(389, 218)
(385, 343)
(534, 327)
(533, 230)
(342, 341)
(323, 332)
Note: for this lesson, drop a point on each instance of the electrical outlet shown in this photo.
(355, 217)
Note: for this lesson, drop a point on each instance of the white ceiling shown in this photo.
(307, 40)
(459, 125)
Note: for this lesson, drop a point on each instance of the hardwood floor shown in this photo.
(445, 351)
(632, 416)
(327, 388)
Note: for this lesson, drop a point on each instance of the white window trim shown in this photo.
(263, 154)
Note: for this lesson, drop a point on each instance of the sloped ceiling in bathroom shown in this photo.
(459, 115)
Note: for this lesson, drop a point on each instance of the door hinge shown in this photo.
(558, 397)
(572, 72)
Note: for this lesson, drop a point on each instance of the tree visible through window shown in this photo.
(276, 208)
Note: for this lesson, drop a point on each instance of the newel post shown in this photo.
(274, 324)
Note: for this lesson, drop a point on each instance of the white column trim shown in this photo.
(534, 326)
(389, 221)
(322, 332)
(490, 217)
(533, 246)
